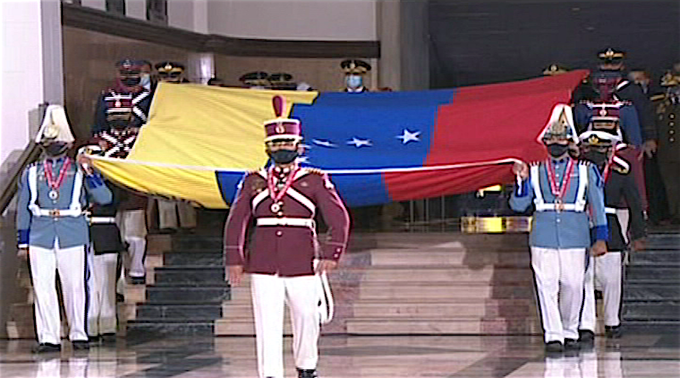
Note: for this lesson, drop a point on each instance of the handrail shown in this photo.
(31, 153)
(9, 188)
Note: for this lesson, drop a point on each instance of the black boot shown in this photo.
(553, 347)
(80, 345)
(613, 332)
(586, 337)
(571, 344)
(46, 348)
(308, 373)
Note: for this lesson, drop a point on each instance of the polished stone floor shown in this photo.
(634, 356)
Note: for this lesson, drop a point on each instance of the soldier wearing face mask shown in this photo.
(132, 89)
(53, 231)
(604, 272)
(667, 108)
(563, 191)
(117, 142)
(355, 70)
(286, 261)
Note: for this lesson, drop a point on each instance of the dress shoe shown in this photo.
(554, 347)
(571, 344)
(307, 373)
(586, 337)
(95, 339)
(80, 345)
(138, 280)
(46, 348)
(108, 338)
(613, 332)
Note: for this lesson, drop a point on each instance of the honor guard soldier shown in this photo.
(174, 214)
(562, 191)
(667, 108)
(170, 72)
(355, 70)
(131, 90)
(604, 272)
(285, 261)
(117, 142)
(106, 244)
(255, 80)
(282, 81)
(53, 231)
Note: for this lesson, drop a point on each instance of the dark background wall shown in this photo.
(481, 41)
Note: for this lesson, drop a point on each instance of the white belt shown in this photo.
(56, 213)
(610, 210)
(553, 207)
(102, 220)
(297, 222)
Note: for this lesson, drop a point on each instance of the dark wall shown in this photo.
(476, 42)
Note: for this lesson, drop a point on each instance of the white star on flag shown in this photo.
(409, 136)
(358, 143)
(324, 143)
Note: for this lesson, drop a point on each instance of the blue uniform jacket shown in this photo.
(41, 231)
(564, 229)
(628, 118)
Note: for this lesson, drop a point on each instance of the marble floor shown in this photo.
(634, 356)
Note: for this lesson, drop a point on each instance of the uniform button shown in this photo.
(671, 116)
(671, 139)
(279, 233)
(558, 220)
(671, 123)
(279, 214)
(671, 132)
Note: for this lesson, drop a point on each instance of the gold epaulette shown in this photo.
(658, 97)
(620, 169)
(316, 171)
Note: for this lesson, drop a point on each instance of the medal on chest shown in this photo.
(278, 191)
(559, 190)
(53, 184)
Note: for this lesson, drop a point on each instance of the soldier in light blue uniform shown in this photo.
(563, 192)
(53, 231)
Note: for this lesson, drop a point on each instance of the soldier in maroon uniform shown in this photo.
(285, 260)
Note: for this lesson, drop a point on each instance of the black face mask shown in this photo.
(595, 157)
(119, 124)
(55, 149)
(131, 81)
(556, 150)
(283, 156)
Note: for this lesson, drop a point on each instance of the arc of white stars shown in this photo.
(409, 136)
(358, 143)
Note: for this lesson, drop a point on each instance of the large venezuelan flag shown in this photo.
(377, 147)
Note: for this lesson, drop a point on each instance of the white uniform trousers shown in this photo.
(604, 273)
(72, 266)
(132, 225)
(269, 294)
(168, 211)
(623, 216)
(102, 284)
(559, 275)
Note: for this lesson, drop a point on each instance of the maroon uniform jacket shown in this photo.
(117, 144)
(284, 241)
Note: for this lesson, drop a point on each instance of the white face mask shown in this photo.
(354, 81)
(145, 80)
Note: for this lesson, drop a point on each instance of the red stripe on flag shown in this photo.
(485, 123)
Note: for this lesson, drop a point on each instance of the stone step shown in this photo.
(648, 274)
(190, 276)
(443, 290)
(181, 294)
(649, 291)
(191, 259)
(438, 257)
(663, 241)
(437, 309)
(467, 326)
(179, 311)
(647, 327)
(448, 274)
(653, 311)
(656, 257)
(244, 327)
(171, 327)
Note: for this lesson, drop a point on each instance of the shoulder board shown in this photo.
(658, 97)
(315, 171)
